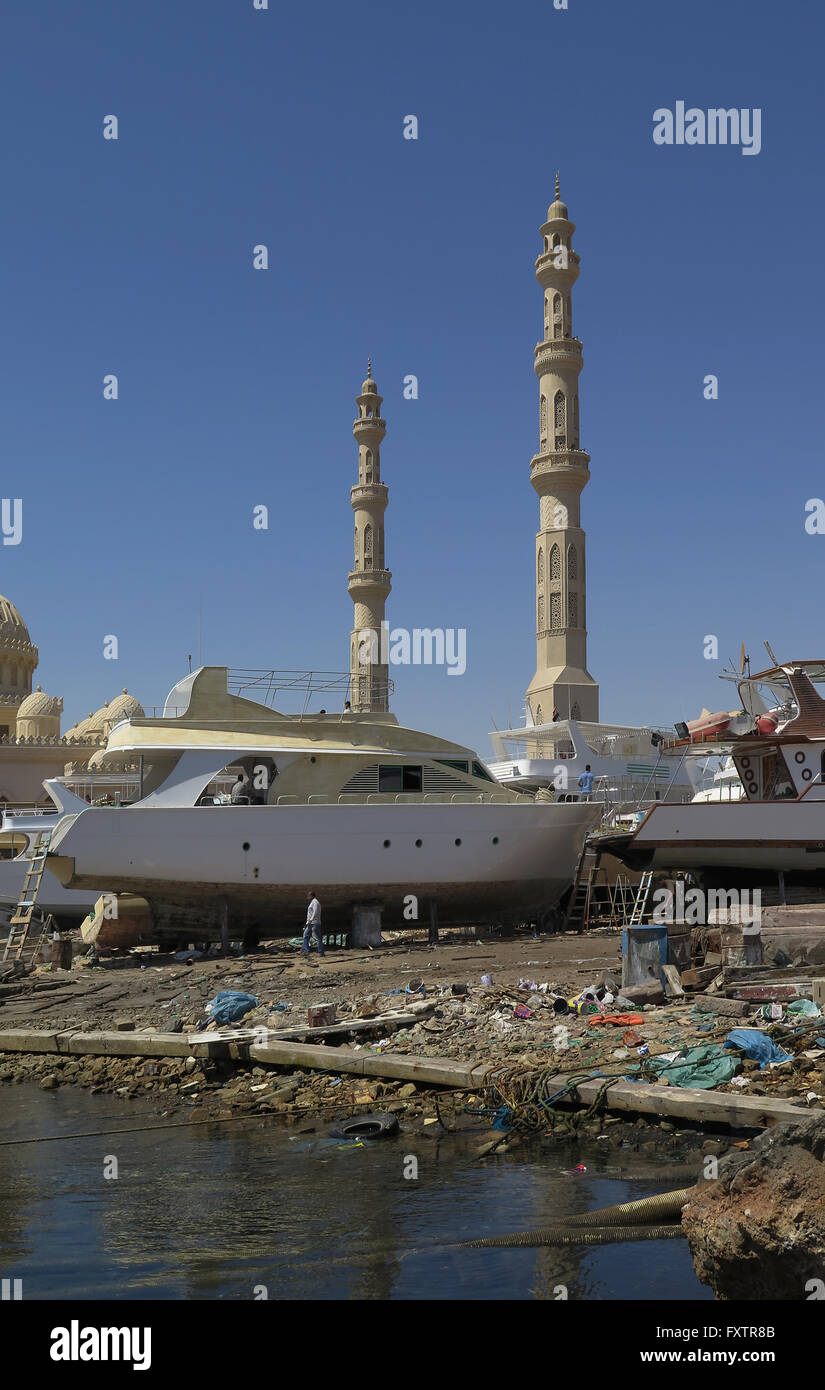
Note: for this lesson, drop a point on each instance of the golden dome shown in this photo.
(39, 703)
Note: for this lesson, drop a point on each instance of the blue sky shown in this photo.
(284, 127)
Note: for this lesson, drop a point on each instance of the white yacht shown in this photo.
(354, 805)
(778, 826)
(629, 764)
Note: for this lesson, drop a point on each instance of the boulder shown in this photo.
(758, 1230)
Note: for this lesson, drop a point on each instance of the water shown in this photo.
(220, 1211)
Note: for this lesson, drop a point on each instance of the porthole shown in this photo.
(799, 756)
(752, 788)
(458, 842)
(245, 845)
(386, 844)
(806, 774)
(418, 844)
(746, 762)
(313, 759)
(495, 839)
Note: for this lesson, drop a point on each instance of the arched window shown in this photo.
(368, 547)
(544, 419)
(356, 547)
(540, 566)
(555, 563)
(368, 466)
(540, 613)
(572, 563)
(538, 714)
(574, 713)
(558, 326)
(559, 411)
(576, 419)
(572, 610)
(555, 611)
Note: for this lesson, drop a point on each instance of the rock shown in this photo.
(49, 1082)
(713, 1146)
(190, 1064)
(123, 1025)
(758, 1231)
(407, 1091)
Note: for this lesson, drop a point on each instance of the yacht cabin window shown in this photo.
(394, 778)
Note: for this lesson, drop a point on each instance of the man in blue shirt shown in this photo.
(586, 783)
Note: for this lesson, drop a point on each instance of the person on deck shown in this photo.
(586, 783)
(313, 924)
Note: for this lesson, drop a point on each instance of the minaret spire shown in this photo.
(559, 473)
(369, 582)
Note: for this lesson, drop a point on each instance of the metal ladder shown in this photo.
(642, 895)
(26, 914)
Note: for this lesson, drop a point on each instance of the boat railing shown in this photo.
(392, 799)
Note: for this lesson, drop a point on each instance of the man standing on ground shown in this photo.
(313, 924)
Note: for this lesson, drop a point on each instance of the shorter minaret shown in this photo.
(369, 582)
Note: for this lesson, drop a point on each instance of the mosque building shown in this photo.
(32, 746)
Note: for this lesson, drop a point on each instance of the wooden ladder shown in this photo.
(642, 895)
(578, 907)
(25, 915)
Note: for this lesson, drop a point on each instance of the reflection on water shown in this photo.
(214, 1212)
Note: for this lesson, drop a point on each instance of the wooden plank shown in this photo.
(718, 1004)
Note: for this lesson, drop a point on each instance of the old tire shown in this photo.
(377, 1126)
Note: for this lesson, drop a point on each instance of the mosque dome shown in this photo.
(124, 706)
(97, 720)
(81, 730)
(39, 703)
(11, 623)
(368, 387)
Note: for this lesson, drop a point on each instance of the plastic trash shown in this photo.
(806, 1007)
(756, 1045)
(522, 1011)
(487, 980)
(416, 987)
(529, 985)
(188, 956)
(230, 1005)
(279, 1008)
(770, 1011)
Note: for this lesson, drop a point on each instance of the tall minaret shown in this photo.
(369, 582)
(559, 472)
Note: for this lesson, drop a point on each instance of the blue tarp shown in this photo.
(756, 1045)
(229, 1005)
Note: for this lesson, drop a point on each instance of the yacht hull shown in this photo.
(480, 861)
(749, 840)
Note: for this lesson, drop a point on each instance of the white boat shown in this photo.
(20, 829)
(779, 824)
(354, 805)
(628, 763)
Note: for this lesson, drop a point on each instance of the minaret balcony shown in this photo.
(374, 494)
(359, 581)
(558, 353)
(372, 427)
(548, 273)
(571, 462)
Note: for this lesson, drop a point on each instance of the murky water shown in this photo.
(220, 1211)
